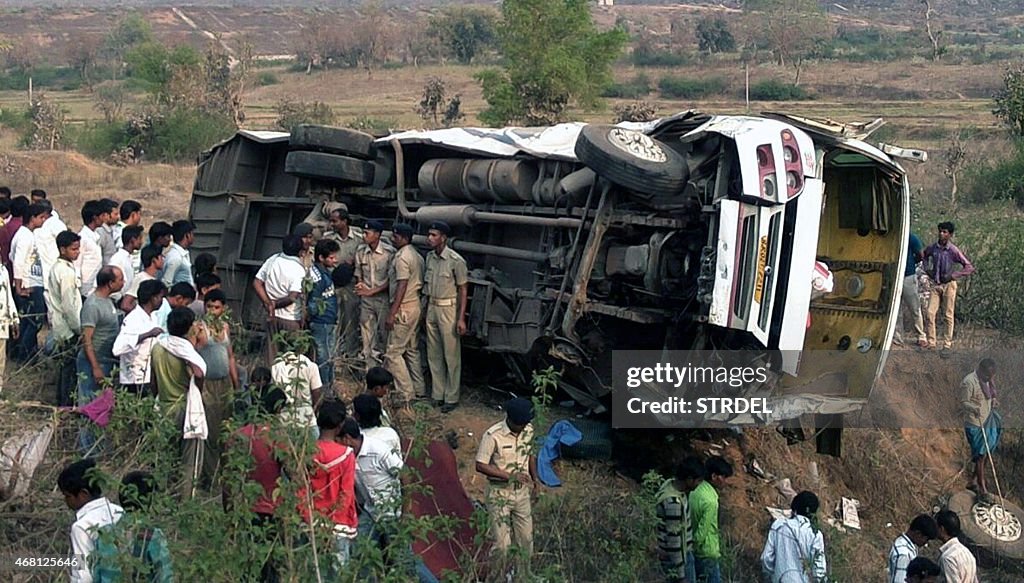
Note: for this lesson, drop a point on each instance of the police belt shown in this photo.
(442, 301)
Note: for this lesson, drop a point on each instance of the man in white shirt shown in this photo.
(45, 237)
(28, 282)
(367, 410)
(795, 550)
(299, 378)
(93, 512)
(178, 264)
(90, 259)
(108, 220)
(138, 333)
(131, 241)
(131, 215)
(378, 489)
(278, 284)
(63, 294)
(905, 548)
(957, 562)
(152, 263)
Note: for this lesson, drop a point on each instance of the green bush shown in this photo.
(177, 135)
(643, 57)
(635, 88)
(183, 134)
(372, 124)
(683, 88)
(43, 77)
(98, 140)
(773, 90)
(18, 121)
(265, 78)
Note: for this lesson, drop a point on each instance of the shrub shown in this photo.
(683, 88)
(372, 124)
(98, 140)
(267, 78)
(773, 90)
(43, 77)
(182, 134)
(651, 57)
(293, 113)
(635, 88)
(636, 111)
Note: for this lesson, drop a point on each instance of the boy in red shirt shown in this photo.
(331, 491)
(255, 438)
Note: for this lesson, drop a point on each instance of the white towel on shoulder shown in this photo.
(194, 426)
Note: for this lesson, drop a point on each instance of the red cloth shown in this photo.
(438, 492)
(267, 469)
(332, 483)
(99, 409)
(6, 236)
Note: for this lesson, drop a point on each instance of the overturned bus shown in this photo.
(694, 231)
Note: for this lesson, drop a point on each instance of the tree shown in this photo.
(465, 32)
(83, 53)
(434, 107)
(554, 58)
(934, 36)
(110, 100)
(130, 31)
(48, 124)
(1009, 101)
(714, 36)
(955, 159)
(790, 29)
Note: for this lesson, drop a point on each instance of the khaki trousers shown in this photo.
(372, 312)
(946, 294)
(511, 518)
(444, 352)
(218, 396)
(402, 358)
(910, 302)
(348, 322)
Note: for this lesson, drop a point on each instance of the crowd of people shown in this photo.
(114, 297)
(135, 310)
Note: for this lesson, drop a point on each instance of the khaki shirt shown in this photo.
(444, 274)
(506, 451)
(408, 265)
(372, 266)
(977, 407)
(349, 245)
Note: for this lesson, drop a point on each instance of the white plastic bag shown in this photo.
(195, 415)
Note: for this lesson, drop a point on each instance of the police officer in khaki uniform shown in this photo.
(349, 239)
(373, 260)
(506, 457)
(446, 285)
(402, 358)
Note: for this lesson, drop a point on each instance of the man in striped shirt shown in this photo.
(904, 549)
(675, 533)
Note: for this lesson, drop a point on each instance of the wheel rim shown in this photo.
(997, 522)
(637, 144)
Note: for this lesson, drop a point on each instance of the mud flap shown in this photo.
(829, 430)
